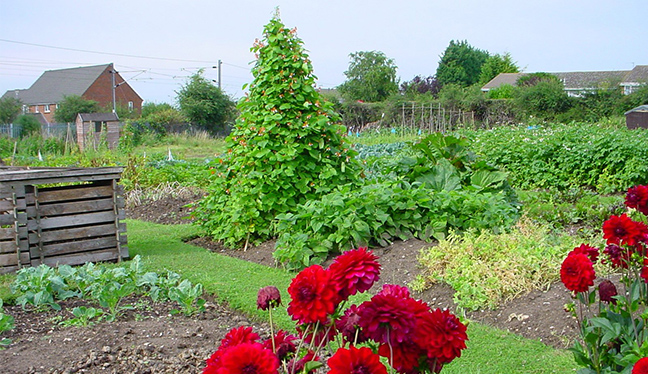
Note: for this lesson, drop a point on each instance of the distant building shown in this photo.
(578, 83)
(93, 128)
(89, 82)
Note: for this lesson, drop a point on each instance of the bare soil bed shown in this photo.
(151, 340)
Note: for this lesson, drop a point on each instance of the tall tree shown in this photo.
(204, 104)
(72, 105)
(460, 64)
(9, 109)
(496, 64)
(420, 85)
(371, 77)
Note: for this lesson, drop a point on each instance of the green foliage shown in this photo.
(41, 287)
(504, 91)
(441, 187)
(159, 116)
(575, 207)
(594, 106)
(204, 104)
(460, 64)
(285, 149)
(377, 214)
(188, 296)
(10, 108)
(564, 157)
(72, 105)
(420, 86)
(29, 125)
(6, 324)
(496, 64)
(544, 99)
(635, 99)
(486, 269)
(83, 316)
(371, 77)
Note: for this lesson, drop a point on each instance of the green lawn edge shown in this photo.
(236, 282)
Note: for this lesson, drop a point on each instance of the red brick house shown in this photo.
(89, 82)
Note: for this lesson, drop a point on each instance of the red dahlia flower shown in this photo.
(348, 326)
(577, 272)
(387, 319)
(268, 297)
(619, 257)
(641, 366)
(395, 290)
(354, 271)
(234, 337)
(607, 291)
(587, 250)
(248, 358)
(623, 230)
(637, 198)
(283, 343)
(356, 361)
(449, 338)
(313, 298)
(405, 355)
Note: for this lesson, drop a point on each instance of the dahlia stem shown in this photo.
(272, 336)
(391, 352)
(301, 342)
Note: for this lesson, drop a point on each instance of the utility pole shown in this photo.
(220, 63)
(112, 85)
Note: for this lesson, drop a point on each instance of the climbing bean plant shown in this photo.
(287, 146)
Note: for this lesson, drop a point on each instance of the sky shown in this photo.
(157, 45)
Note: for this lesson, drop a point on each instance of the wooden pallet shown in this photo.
(73, 223)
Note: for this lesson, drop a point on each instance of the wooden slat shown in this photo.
(74, 220)
(60, 175)
(124, 252)
(85, 232)
(11, 259)
(78, 258)
(9, 269)
(7, 205)
(67, 194)
(9, 233)
(89, 245)
(71, 207)
(8, 219)
(10, 247)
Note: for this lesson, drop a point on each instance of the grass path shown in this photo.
(236, 282)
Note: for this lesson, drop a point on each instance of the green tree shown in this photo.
(496, 64)
(9, 109)
(72, 105)
(29, 125)
(205, 105)
(371, 77)
(460, 64)
(542, 95)
(286, 148)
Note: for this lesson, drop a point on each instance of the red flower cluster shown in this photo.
(408, 333)
(637, 198)
(623, 230)
(577, 272)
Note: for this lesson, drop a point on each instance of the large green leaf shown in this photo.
(442, 177)
(485, 179)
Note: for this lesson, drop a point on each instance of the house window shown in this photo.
(98, 126)
(25, 109)
(47, 108)
(130, 106)
(57, 106)
(36, 109)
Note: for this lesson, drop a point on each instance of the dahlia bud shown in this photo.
(268, 297)
(607, 290)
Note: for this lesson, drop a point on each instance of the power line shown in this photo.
(102, 53)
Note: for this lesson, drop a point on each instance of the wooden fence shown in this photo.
(59, 216)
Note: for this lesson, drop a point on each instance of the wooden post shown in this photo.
(116, 211)
(16, 227)
(39, 230)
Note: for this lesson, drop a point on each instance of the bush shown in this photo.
(29, 125)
